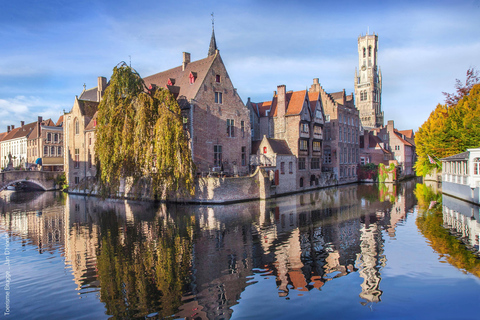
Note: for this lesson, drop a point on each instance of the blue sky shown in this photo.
(51, 48)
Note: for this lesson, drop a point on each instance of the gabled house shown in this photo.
(216, 119)
(373, 149)
(342, 129)
(297, 118)
(45, 146)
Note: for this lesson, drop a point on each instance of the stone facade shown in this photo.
(368, 83)
(341, 138)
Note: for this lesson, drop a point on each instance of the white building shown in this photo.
(461, 175)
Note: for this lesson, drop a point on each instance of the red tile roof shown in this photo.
(296, 101)
(60, 121)
(182, 77)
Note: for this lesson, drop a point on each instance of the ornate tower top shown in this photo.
(368, 82)
(213, 44)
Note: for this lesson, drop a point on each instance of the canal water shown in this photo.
(353, 252)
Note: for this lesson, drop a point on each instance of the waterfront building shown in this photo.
(342, 130)
(216, 121)
(294, 120)
(373, 149)
(368, 83)
(45, 145)
(461, 175)
(14, 145)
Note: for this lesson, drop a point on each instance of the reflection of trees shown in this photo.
(430, 223)
(139, 275)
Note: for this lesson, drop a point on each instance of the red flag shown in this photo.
(431, 160)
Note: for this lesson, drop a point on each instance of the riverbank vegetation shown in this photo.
(452, 127)
(140, 136)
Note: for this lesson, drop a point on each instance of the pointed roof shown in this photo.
(60, 121)
(183, 87)
(2, 135)
(213, 45)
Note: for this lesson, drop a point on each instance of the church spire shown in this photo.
(213, 44)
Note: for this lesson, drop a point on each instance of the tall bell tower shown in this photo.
(368, 83)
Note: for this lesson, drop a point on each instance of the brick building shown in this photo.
(45, 145)
(215, 118)
(402, 146)
(341, 138)
(297, 118)
(373, 149)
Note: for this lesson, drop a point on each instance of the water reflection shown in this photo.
(195, 262)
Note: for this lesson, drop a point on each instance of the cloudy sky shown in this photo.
(49, 49)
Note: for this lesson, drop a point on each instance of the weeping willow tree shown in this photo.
(140, 137)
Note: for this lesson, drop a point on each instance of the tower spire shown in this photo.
(213, 44)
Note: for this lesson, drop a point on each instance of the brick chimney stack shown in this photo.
(13, 126)
(102, 85)
(8, 129)
(281, 100)
(186, 60)
(22, 123)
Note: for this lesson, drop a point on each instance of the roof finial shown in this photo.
(84, 87)
(213, 44)
(213, 21)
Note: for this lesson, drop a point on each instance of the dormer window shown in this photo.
(192, 76)
(217, 78)
(171, 82)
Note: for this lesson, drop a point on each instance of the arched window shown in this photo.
(301, 182)
(77, 126)
(45, 150)
(59, 151)
(49, 137)
(52, 151)
(364, 52)
(476, 166)
(55, 137)
(369, 51)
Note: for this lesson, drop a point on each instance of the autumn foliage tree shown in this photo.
(452, 127)
(140, 136)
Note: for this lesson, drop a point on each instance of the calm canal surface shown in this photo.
(353, 252)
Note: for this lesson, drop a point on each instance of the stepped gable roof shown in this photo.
(457, 157)
(182, 77)
(93, 123)
(337, 95)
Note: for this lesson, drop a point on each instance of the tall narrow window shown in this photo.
(369, 51)
(89, 159)
(317, 146)
(49, 137)
(59, 151)
(77, 126)
(55, 137)
(217, 155)
(218, 97)
(282, 167)
(290, 167)
(77, 158)
(230, 128)
(242, 125)
(476, 166)
(301, 163)
(45, 150)
(364, 52)
(244, 156)
(52, 151)
(304, 145)
(217, 78)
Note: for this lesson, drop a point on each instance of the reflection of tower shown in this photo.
(370, 260)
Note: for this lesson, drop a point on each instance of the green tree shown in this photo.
(449, 130)
(140, 136)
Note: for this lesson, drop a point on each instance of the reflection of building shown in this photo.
(463, 220)
(461, 175)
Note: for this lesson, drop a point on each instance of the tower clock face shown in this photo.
(363, 68)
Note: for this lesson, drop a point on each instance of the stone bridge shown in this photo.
(44, 180)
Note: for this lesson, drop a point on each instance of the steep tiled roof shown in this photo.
(88, 108)
(182, 77)
(20, 132)
(92, 124)
(405, 142)
(89, 95)
(457, 157)
(60, 121)
(407, 133)
(263, 107)
(295, 104)
(255, 146)
(313, 97)
(2, 135)
(280, 146)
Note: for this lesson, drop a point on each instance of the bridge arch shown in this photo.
(3, 186)
(44, 180)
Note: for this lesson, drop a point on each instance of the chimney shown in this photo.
(315, 81)
(40, 119)
(22, 123)
(186, 60)
(102, 85)
(281, 101)
(39, 123)
(8, 129)
(13, 126)
(315, 87)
